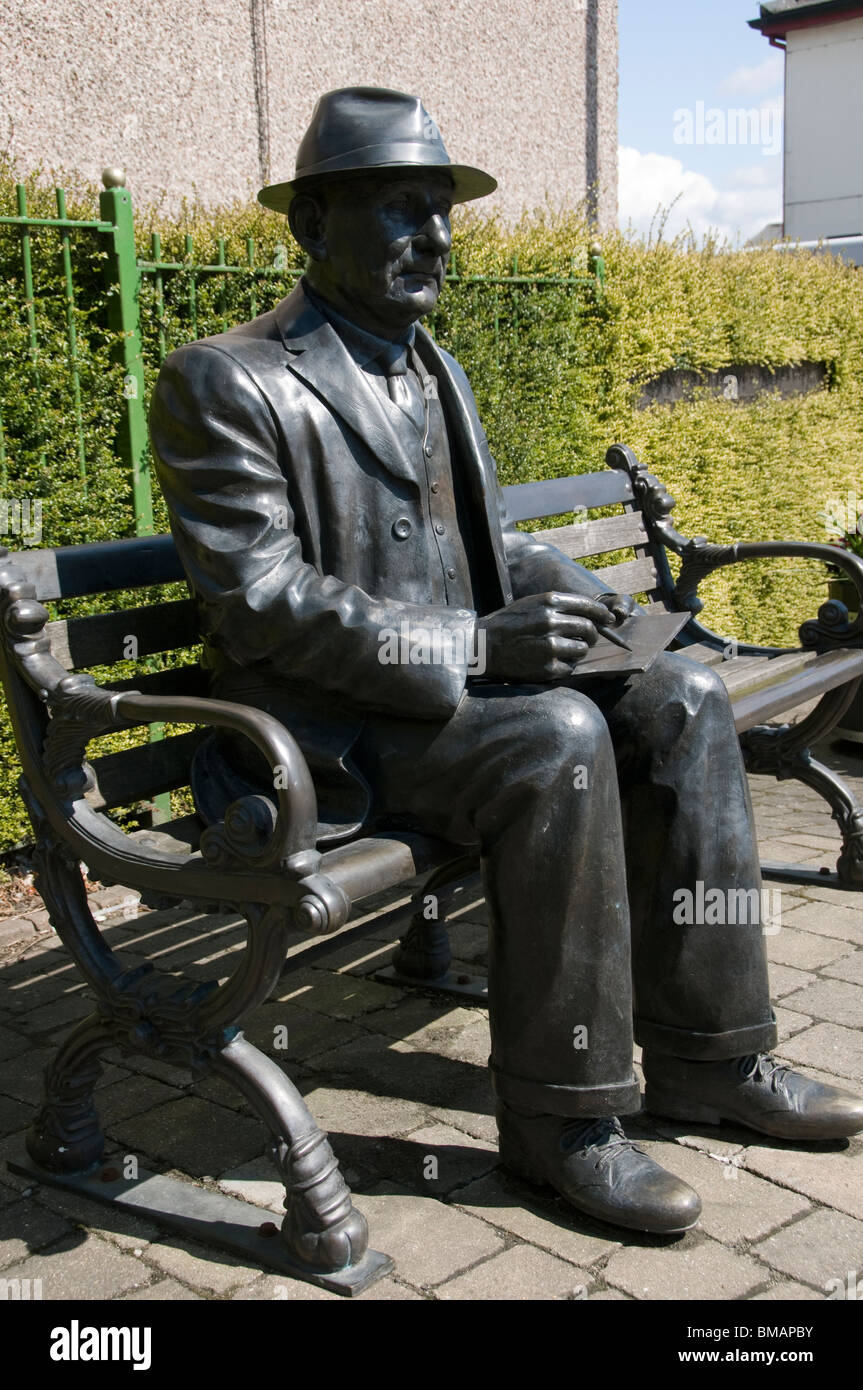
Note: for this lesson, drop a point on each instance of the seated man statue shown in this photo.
(329, 482)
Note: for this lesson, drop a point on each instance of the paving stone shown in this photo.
(130, 1096)
(834, 1000)
(788, 1022)
(338, 996)
(12, 1043)
(787, 1290)
(784, 979)
(438, 1159)
(708, 1141)
(82, 1269)
(846, 968)
(399, 1069)
(782, 850)
(705, 1270)
(200, 1266)
(827, 920)
(821, 1247)
(15, 929)
(736, 1206)
(428, 1241)
(21, 1077)
(308, 1033)
(165, 1291)
(502, 1203)
(834, 1177)
(356, 1112)
(194, 1135)
(278, 1288)
(256, 1182)
(57, 1016)
(834, 897)
(422, 1021)
(25, 1227)
(830, 1046)
(14, 1115)
(801, 949)
(390, 1290)
(522, 1273)
(112, 1223)
(478, 1124)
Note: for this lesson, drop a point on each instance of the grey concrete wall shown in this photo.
(191, 95)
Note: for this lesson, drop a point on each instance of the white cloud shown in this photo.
(648, 182)
(766, 77)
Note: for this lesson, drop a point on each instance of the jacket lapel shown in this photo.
(317, 355)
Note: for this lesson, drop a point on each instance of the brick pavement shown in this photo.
(399, 1080)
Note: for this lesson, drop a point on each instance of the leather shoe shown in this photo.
(597, 1169)
(754, 1091)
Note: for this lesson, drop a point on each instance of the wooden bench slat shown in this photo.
(607, 533)
(179, 680)
(101, 639)
(75, 570)
(829, 670)
(139, 774)
(553, 496)
(632, 577)
(699, 651)
(745, 674)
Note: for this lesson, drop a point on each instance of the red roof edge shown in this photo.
(777, 26)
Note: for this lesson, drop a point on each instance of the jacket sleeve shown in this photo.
(217, 453)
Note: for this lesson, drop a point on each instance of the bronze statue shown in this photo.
(328, 482)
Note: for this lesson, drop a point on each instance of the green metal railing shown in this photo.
(178, 285)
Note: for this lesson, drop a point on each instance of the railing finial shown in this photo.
(114, 177)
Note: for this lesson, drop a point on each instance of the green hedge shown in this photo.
(557, 380)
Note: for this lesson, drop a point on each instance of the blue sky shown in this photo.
(689, 69)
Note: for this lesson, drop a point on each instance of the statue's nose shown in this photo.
(436, 234)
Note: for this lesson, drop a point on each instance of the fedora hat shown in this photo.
(368, 129)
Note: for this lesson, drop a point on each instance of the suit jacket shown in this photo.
(297, 513)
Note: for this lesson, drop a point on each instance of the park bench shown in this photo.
(263, 860)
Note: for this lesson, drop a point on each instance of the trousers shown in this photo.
(592, 805)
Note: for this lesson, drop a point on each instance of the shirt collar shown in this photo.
(363, 346)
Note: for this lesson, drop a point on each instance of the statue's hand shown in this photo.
(620, 606)
(540, 637)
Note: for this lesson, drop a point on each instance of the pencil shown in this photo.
(610, 635)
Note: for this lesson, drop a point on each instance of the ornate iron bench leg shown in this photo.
(66, 1136)
(324, 1239)
(783, 751)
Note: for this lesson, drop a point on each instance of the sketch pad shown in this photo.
(647, 633)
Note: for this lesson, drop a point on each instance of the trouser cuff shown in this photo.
(546, 1098)
(705, 1047)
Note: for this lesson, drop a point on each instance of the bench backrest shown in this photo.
(81, 643)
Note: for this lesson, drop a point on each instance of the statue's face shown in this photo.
(386, 245)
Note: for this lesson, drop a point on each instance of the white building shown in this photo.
(823, 172)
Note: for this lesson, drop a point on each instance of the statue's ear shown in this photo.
(306, 216)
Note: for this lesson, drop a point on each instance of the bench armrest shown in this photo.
(701, 557)
(253, 833)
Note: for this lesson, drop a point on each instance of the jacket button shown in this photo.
(440, 528)
(402, 528)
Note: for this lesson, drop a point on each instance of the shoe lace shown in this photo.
(762, 1067)
(604, 1134)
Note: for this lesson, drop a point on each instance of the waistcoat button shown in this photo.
(402, 528)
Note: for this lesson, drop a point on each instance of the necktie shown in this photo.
(403, 387)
